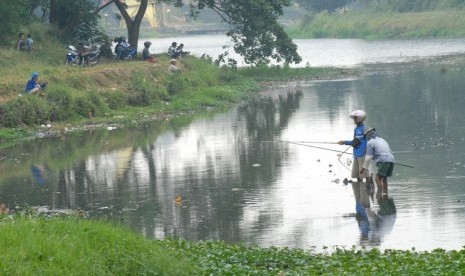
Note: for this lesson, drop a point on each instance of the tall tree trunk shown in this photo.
(54, 16)
(133, 25)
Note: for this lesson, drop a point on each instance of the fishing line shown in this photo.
(339, 159)
(302, 142)
(322, 148)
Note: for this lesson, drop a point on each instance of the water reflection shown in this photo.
(226, 176)
(374, 224)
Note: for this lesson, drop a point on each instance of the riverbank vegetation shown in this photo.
(72, 245)
(116, 92)
(381, 25)
(378, 19)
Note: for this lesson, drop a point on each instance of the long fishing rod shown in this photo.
(342, 152)
(310, 146)
(302, 142)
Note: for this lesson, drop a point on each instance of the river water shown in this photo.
(230, 176)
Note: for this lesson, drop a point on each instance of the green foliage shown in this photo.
(255, 29)
(219, 258)
(144, 92)
(60, 104)
(33, 245)
(323, 5)
(256, 33)
(24, 111)
(13, 15)
(115, 99)
(379, 25)
(71, 246)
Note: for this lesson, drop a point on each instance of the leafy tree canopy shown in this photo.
(254, 27)
(13, 14)
(323, 5)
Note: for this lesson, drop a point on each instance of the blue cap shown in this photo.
(35, 75)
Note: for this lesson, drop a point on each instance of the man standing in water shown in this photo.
(359, 144)
(378, 150)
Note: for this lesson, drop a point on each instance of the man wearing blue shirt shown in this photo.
(361, 189)
(32, 85)
(358, 143)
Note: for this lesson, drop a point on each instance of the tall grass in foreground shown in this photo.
(72, 246)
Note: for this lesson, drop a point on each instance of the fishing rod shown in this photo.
(341, 152)
(301, 142)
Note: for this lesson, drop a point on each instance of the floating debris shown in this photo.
(235, 189)
(337, 181)
(256, 165)
(178, 200)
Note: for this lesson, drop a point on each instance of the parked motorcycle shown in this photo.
(124, 51)
(72, 57)
(90, 55)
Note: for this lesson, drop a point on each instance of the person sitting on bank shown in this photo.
(173, 68)
(33, 86)
(146, 56)
(21, 43)
(29, 43)
(180, 51)
(172, 50)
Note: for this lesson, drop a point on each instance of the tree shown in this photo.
(13, 14)
(323, 5)
(254, 26)
(133, 25)
(75, 18)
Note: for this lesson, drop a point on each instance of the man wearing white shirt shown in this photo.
(378, 150)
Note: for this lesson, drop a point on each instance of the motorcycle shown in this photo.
(124, 51)
(72, 57)
(90, 55)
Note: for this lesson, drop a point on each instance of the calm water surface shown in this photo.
(227, 176)
(328, 52)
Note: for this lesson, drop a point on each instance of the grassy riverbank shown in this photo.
(73, 246)
(372, 24)
(121, 92)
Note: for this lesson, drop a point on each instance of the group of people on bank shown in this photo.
(24, 44)
(33, 86)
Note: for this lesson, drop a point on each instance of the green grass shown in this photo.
(370, 24)
(35, 245)
(72, 246)
(125, 90)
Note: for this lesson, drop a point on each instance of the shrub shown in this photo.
(29, 110)
(144, 93)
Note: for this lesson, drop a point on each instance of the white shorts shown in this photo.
(356, 166)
